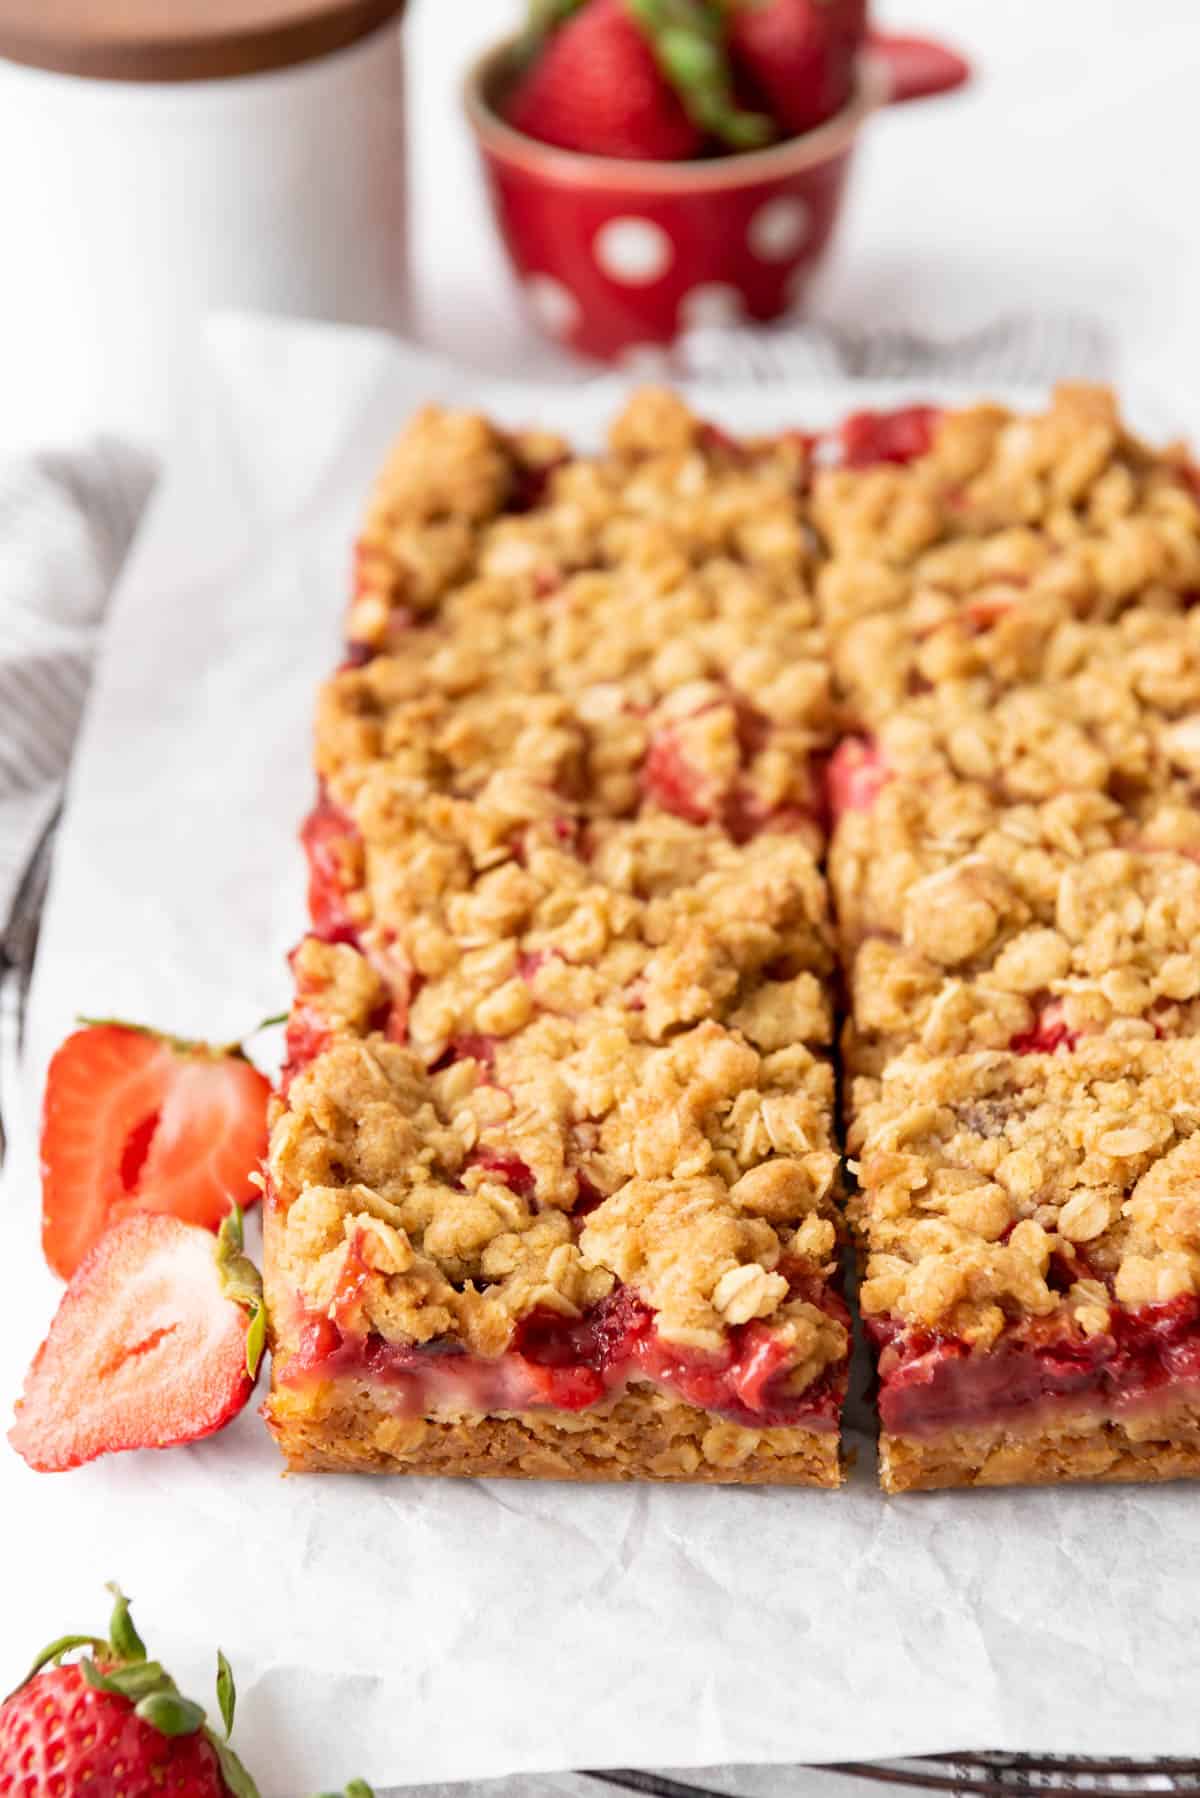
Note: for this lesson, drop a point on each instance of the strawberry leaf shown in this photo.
(138, 1680)
(127, 1644)
(52, 1655)
(256, 1341)
(170, 1714)
(688, 40)
(238, 1782)
(240, 1279)
(226, 1692)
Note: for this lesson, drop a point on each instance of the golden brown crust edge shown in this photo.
(1074, 1451)
(641, 1436)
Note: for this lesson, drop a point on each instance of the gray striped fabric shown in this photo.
(1012, 352)
(66, 523)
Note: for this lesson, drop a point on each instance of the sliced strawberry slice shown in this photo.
(145, 1351)
(133, 1121)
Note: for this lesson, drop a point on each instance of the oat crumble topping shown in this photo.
(977, 1171)
(575, 1031)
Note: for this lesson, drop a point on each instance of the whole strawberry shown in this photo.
(799, 54)
(115, 1725)
(646, 80)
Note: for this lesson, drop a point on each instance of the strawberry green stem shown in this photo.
(127, 1644)
(688, 40)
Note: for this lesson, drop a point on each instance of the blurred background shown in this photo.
(1058, 179)
(1058, 182)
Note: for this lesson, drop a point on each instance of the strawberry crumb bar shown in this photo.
(577, 1255)
(637, 763)
(1031, 1234)
(552, 1185)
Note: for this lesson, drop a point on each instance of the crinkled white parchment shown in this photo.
(420, 1630)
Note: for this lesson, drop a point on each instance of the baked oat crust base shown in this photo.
(641, 1436)
(1077, 1450)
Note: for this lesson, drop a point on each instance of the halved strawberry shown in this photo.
(133, 1121)
(147, 1349)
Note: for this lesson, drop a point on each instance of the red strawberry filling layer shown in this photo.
(671, 779)
(1051, 1034)
(327, 834)
(855, 776)
(868, 438)
(569, 1364)
(929, 1383)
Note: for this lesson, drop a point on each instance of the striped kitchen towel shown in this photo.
(66, 523)
(1011, 352)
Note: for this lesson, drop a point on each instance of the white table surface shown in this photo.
(1063, 179)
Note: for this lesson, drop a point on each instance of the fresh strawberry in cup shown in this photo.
(799, 54)
(157, 1342)
(646, 80)
(134, 1121)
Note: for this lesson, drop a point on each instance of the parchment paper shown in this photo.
(421, 1630)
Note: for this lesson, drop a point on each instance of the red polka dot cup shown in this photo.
(617, 257)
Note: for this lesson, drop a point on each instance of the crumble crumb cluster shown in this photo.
(553, 1183)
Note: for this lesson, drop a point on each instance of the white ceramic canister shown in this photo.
(162, 161)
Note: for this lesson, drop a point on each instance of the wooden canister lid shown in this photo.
(182, 40)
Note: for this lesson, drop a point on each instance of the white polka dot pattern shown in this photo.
(633, 251)
(779, 229)
(712, 303)
(553, 306)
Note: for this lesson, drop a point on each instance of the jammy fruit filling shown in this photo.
(855, 775)
(568, 1364)
(1149, 1357)
(701, 768)
(898, 437)
(328, 837)
(1051, 1034)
